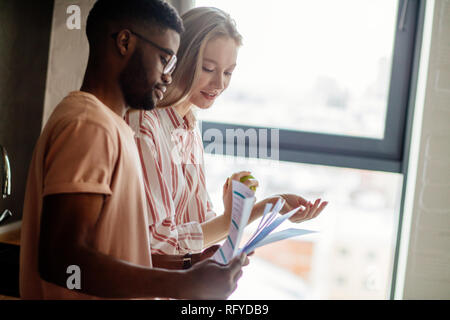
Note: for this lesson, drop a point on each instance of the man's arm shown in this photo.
(177, 262)
(66, 224)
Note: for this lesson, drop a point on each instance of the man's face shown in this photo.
(142, 80)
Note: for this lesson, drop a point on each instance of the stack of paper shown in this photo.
(243, 201)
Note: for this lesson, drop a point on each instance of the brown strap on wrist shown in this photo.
(174, 262)
(187, 261)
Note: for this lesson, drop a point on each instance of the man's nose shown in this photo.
(167, 79)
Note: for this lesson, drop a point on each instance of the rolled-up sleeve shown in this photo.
(80, 159)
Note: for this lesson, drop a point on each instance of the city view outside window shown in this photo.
(319, 66)
(350, 256)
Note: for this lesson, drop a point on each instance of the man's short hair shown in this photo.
(152, 12)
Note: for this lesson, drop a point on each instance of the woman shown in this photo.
(171, 148)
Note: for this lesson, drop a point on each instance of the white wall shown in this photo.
(182, 5)
(68, 54)
(424, 265)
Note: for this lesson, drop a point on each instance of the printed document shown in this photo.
(243, 201)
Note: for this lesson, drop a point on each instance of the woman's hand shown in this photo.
(309, 210)
(227, 191)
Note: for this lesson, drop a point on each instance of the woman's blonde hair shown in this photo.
(201, 25)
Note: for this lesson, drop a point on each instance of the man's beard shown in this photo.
(132, 79)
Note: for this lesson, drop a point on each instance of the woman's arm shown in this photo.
(217, 228)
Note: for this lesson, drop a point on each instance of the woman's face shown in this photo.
(219, 61)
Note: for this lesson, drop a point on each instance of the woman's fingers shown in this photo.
(249, 182)
(313, 208)
(300, 215)
(225, 186)
(310, 211)
(238, 175)
(321, 207)
(301, 201)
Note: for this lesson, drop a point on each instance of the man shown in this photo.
(85, 206)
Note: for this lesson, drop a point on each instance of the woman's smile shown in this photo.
(209, 95)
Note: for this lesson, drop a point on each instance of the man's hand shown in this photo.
(209, 252)
(309, 210)
(209, 279)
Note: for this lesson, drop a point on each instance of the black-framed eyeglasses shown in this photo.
(170, 65)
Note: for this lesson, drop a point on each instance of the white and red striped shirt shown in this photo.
(171, 152)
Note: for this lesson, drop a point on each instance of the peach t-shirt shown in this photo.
(85, 148)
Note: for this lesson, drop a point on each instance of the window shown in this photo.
(334, 263)
(315, 62)
(325, 86)
(332, 76)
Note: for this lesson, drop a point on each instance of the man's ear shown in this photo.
(124, 42)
